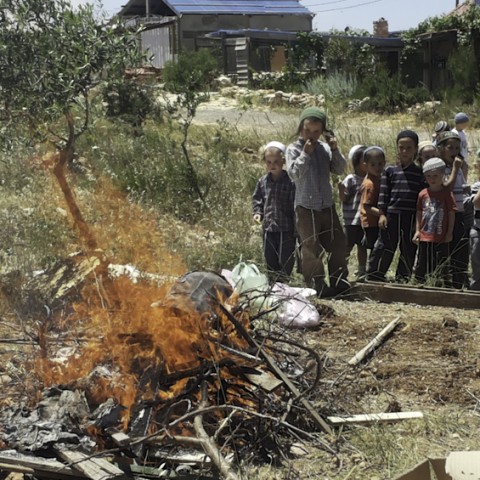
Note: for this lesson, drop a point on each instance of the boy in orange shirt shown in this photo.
(374, 159)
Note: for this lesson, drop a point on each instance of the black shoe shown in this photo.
(326, 292)
(338, 288)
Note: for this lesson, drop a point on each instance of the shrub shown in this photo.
(337, 85)
(128, 101)
(194, 71)
(387, 94)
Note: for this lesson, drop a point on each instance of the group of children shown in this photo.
(421, 206)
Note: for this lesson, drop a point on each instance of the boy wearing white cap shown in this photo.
(435, 220)
(272, 204)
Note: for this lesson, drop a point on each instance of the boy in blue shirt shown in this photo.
(399, 189)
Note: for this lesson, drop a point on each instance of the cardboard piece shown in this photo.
(457, 466)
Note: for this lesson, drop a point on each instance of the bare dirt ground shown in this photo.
(431, 364)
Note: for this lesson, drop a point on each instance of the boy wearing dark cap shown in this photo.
(399, 188)
(309, 164)
(435, 220)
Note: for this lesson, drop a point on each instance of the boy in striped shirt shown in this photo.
(399, 189)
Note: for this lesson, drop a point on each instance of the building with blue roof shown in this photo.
(174, 25)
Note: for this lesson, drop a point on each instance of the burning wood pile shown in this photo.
(133, 378)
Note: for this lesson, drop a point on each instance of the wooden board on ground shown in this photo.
(43, 467)
(439, 297)
(265, 380)
(373, 418)
(92, 467)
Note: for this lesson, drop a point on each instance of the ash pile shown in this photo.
(129, 378)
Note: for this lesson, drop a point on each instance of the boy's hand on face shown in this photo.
(309, 146)
(382, 222)
(257, 218)
(457, 163)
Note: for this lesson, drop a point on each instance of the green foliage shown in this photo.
(214, 233)
(192, 70)
(51, 56)
(463, 67)
(34, 233)
(463, 64)
(353, 59)
(338, 85)
(128, 101)
(306, 53)
(388, 94)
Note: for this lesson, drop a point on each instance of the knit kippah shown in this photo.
(408, 134)
(275, 144)
(372, 148)
(441, 126)
(444, 136)
(314, 112)
(353, 150)
(461, 117)
(433, 164)
(425, 143)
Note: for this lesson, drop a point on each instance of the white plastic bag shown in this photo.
(295, 310)
(251, 284)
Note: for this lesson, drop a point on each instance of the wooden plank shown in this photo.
(44, 467)
(420, 295)
(264, 380)
(93, 468)
(373, 418)
(377, 341)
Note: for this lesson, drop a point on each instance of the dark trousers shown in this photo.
(320, 232)
(459, 253)
(399, 232)
(431, 261)
(279, 252)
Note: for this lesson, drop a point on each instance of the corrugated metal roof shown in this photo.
(218, 7)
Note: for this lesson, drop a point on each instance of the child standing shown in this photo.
(441, 126)
(309, 164)
(399, 188)
(461, 123)
(426, 151)
(272, 204)
(374, 158)
(448, 144)
(434, 222)
(475, 232)
(349, 193)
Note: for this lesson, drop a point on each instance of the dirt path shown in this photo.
(227, 110)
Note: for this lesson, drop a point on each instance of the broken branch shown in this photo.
(377, 341)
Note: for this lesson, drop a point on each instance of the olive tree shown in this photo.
(52, 57)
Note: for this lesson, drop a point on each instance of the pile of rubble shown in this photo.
(272, 97)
